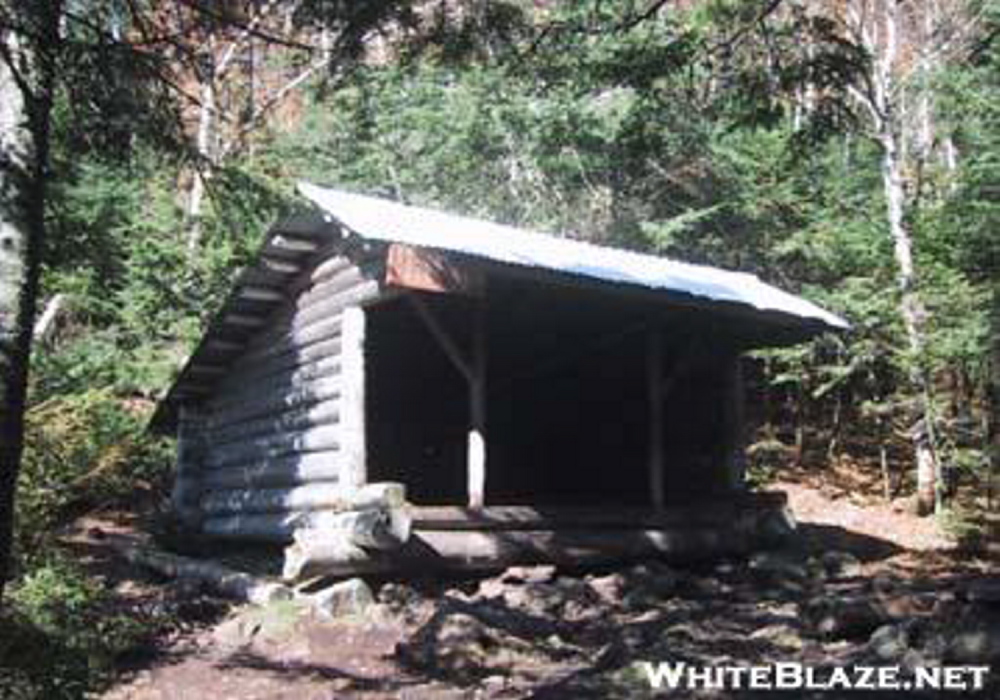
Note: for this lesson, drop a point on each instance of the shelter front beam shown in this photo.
(428, 270)
(472, 366)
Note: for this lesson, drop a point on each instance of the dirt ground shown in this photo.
(865, 583)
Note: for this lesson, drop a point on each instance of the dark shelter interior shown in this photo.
(568, 410)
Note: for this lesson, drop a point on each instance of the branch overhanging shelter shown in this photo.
(543, 388)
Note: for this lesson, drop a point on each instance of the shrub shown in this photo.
(83, 449)
(64, 634)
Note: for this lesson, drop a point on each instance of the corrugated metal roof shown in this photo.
(385, 220)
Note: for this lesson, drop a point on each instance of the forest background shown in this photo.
(846, 150)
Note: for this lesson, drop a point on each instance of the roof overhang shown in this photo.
(432, 250)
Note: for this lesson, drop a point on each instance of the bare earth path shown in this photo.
(862, 585)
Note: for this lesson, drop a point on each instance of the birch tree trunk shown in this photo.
(26, 79)
(878, 31)
(993, 384)
(913, 313)
(15, 143)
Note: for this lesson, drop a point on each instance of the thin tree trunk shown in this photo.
(994, 392)
(913, 313)
(884, 104)
(206, 154)
(25, 106)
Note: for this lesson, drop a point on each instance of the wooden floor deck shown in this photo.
(504, 518)
(451, 538)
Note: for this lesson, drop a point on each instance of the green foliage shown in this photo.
(681, 134)
(62, 634)
(83, 449)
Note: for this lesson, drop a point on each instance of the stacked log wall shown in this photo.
(270, 435)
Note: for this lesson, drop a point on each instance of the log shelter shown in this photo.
(538, 398)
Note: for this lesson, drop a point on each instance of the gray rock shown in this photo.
(776, 528)
(890, 642)
(528, 574)
(851, 618)
(350, 598)
(976, 646)
(274, 623)
(983, 592)
(912, 659)
(884, 584)
(548, 599)
(772, 567)
(398, 595)
(661, 583)
(611, 588)
(780, 635)
(461, 646)
(841, 565)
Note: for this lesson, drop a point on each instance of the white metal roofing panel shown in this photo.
(385, 220)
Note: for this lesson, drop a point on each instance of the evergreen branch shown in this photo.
(648, 13)
(228, 21)
(247, 32)
(272, 102)
(738, 35)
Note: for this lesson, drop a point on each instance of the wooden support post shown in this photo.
(472, 366)
(654, 385)
(447, 343)
(733, 455)
(477, 410)
(352, 398)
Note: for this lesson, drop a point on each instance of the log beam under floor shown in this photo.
(486, 539)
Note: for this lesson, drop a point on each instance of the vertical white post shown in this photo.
(654, 382)
(477, 410)
(354, 469)
(735, 457)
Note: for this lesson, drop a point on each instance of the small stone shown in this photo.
(634, 638)
(911, 660)
(662, 583)
(983, 592)
(274, 623)
(528, 574)
(610, 588)
(494, 682)
(460, 645)
(889, 642)
(884, 584)
(776, 528)
(781, 635)
(696, 587)
(398, 595)
(979, 646)
(352, 597)
(792, 587)
(725, 568)
(188, 588)
(772, 566)
(844, 618)
(841, 565)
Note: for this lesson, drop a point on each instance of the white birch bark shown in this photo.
(877, 25)
(204, 141)
(23, 155)
(15, 150)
